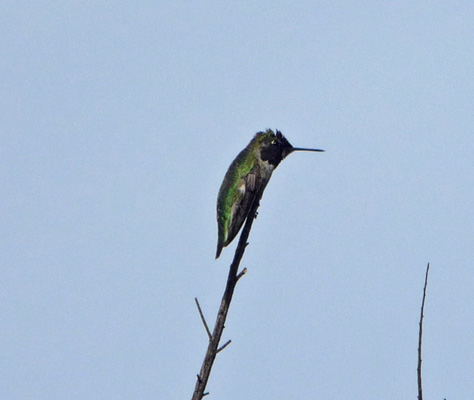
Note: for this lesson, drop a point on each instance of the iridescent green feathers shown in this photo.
(246, 180)
(242, 181)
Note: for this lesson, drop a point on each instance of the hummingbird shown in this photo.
(245, 181)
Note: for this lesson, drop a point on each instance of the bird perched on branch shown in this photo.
(245, 181)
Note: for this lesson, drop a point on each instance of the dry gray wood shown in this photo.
(420, 336)
(232, 279)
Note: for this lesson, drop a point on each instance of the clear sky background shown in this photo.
(118, 122)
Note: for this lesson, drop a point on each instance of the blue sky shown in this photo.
(118, 123)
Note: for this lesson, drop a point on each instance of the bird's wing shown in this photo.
(244, 198)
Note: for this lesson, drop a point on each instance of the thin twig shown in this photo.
(420, 335)
(232, 279)
(203, 319)
(224, 346)
(241, 274)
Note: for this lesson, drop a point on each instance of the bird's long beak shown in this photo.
(303, 149)
(287, 151)
(290, 150)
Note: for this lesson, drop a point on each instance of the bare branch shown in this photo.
(203, 319)
(232, 278)
(420, 335)
(224, 346)
(241, 274)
